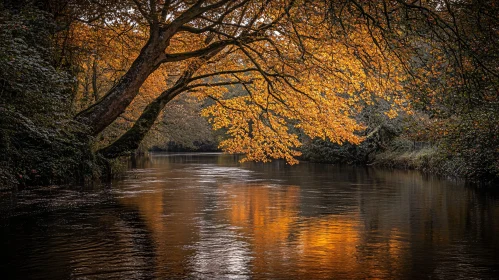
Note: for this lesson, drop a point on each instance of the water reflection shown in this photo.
(314, 221)
(292, 246)
(90, 242)
(209, 217)
(268, 215)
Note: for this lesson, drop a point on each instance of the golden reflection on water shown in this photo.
(315, 247)
(170, 225)
(266, 229)
(185, 218)
(268, 215)
(280, 240)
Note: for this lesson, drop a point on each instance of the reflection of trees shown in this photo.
(169, 219)
(267, 215)
(342, 222)
(445, 224)
(332, 222)
(398, 222)
(337, 245)
(314, 247)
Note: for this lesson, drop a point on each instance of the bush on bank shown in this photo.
(39, 142)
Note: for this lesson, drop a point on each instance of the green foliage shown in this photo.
(29, 83)
(466, 147)
(475, 141)
(39, 144)
(426, 159)
(41, 156)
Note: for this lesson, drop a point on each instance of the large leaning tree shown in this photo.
(298, 73)
(305, 67)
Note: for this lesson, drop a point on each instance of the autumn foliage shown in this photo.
(277, 73)
(295, 72)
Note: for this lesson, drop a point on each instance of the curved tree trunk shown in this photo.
(130, 141)
(107, 109)
(103, 113)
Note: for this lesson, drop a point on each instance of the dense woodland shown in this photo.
(401, 83)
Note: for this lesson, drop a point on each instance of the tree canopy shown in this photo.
(274, 71)
(298, 71)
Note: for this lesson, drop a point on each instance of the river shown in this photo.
(207, 216)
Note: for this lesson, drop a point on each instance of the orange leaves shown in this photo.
(311, 83)
(296, 76)
(260, 137)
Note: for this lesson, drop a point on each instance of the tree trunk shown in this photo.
(103, 113)
(113, 104)
(94, 80)
(130, 141)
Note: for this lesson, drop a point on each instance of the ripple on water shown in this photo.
(206, 217)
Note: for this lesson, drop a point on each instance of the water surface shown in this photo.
(206, 216)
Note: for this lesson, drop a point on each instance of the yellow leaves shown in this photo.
(330, 82)
(258, 134)
(391, 114)
(265, 125)
(306, 77)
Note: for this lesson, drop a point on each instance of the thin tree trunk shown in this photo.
(86, 92)
(94, 80)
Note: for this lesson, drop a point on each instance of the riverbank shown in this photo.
(401, 153)
(433, 161)
(426, 159)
